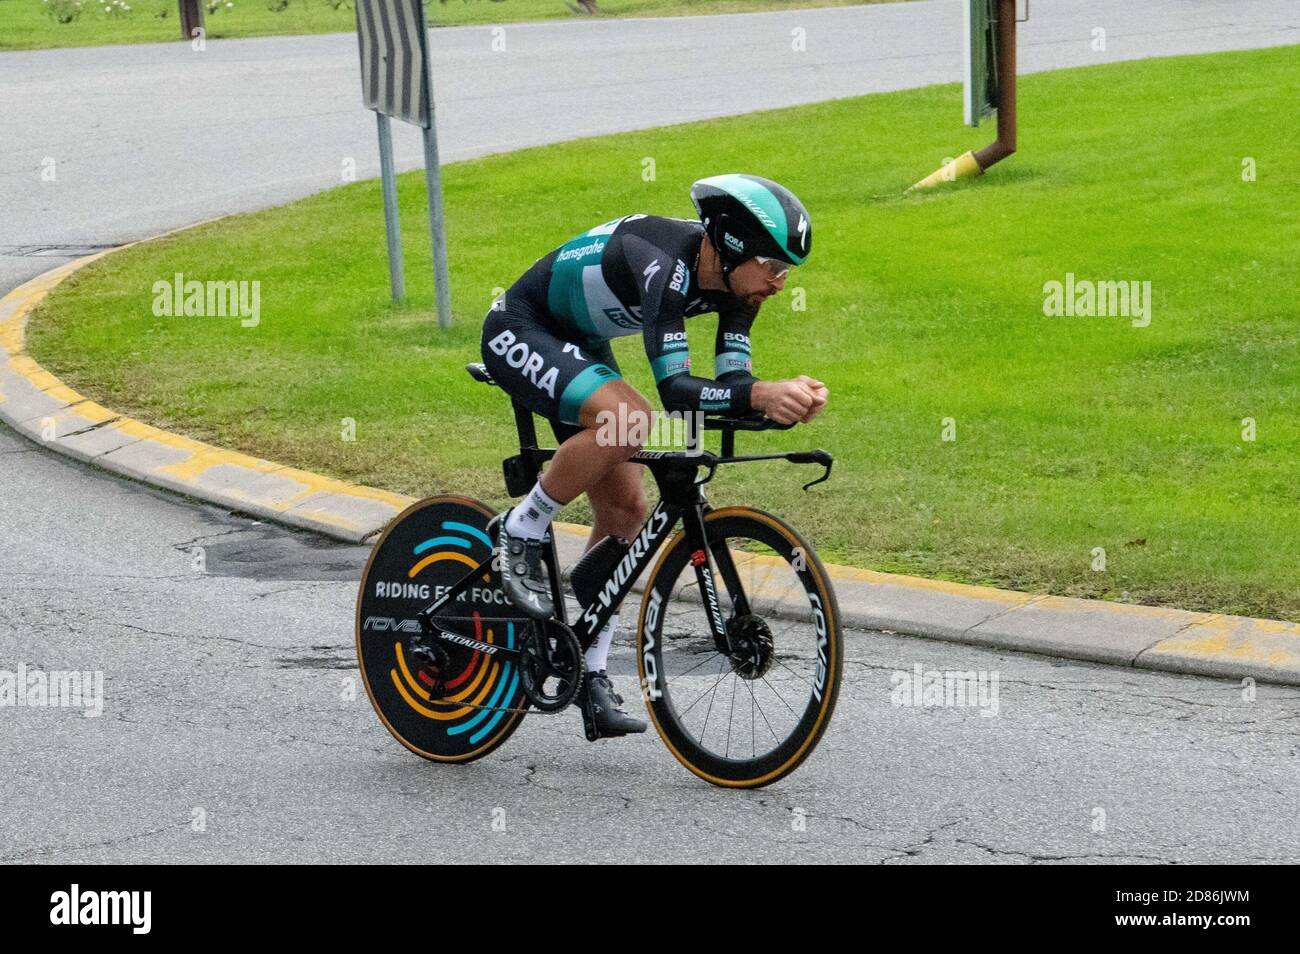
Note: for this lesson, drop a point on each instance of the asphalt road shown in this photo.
(231, 695)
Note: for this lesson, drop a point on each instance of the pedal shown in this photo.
(494, 526)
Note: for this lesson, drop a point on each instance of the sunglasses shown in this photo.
(775, 268)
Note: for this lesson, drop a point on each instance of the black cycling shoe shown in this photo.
(524, 575)
(603, 716)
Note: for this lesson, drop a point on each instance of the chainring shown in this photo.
(550, 651)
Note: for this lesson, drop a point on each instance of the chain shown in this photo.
(470, 705)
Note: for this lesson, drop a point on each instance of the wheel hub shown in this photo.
(752, 647)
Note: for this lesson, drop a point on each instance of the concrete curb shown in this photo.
(38, 405)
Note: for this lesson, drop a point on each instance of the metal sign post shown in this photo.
(396, 277)
(397, 81)
(191, 18)
(433, 185)
(989, 47)
(1004, 67)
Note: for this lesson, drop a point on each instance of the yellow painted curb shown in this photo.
(1242, 642)
(202, 458)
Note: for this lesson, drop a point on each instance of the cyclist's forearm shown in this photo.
(737, 377)
(686, 392)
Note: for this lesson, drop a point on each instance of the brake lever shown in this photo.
(818, 456)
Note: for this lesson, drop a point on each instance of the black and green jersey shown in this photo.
(638, 275)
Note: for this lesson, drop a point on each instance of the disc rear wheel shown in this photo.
(445, 703)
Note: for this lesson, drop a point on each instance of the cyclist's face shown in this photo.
(759, 279)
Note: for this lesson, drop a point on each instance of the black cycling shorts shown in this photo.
(547, 374)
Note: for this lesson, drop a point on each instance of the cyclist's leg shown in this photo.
(618, 503)
(600, 445)
(618, 506)
(579, 390)
(618, 500)
(594, 446)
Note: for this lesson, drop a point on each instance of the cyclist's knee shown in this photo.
(640, 418)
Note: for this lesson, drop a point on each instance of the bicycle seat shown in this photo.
(479, 372)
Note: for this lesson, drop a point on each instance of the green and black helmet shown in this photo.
(748, 216)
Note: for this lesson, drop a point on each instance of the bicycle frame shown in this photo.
(681, 501)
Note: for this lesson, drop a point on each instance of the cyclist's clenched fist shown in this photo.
(820, 393)
(797, 400)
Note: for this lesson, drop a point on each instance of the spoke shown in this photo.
(731, 714)
(789, 625)
(781, 697)
(753, 742)
(709, 712)
(790, 589)
(789, 670)
(697, 665)
(758, 585)
(754, 703)
(705, 692)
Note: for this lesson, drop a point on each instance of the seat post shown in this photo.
(526, 427)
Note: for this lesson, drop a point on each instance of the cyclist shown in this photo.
(546, 342)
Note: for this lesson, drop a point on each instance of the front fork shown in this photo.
(703, 559)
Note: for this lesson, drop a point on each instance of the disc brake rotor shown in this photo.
(752, 646)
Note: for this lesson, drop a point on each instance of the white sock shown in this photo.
(598, 651)
(533, 516)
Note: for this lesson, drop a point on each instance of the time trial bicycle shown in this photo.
(739, 648)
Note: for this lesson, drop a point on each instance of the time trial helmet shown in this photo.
(747, 216)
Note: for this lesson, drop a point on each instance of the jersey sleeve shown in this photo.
(665, 280)
(733, 361)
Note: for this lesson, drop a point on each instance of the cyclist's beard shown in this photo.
(749, 298)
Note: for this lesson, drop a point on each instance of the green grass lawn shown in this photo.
(26, 24)
(1071, 433)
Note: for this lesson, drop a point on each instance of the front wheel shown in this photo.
(749, 712)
